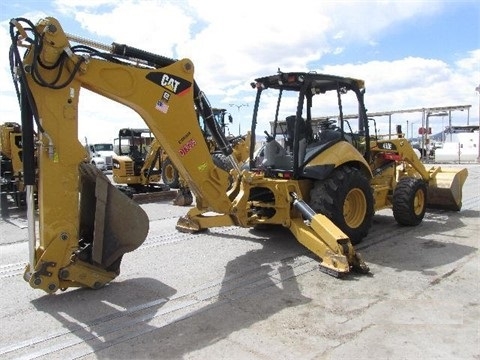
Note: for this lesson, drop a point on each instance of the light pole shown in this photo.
(443, 132)
(411, 130)
(238, 106)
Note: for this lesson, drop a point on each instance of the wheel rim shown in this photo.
(354, 208)
(419, 202)
(169, 173)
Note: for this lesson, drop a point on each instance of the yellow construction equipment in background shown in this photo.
(12, 186)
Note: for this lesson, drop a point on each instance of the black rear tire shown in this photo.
(346, 198)
(222, 162)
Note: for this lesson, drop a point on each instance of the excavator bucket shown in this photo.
(109, 220)
(445, 189)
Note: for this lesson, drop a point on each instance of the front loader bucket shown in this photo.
(445, 189)
(110, 222)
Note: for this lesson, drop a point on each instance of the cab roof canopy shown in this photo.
(133, 132)
(320, 83)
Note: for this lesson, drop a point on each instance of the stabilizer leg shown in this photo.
(321, 236)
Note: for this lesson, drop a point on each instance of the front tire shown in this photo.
(409, 201)
(346, 198)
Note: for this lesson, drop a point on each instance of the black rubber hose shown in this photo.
(28, 145)
(207, 113)
(151, 58)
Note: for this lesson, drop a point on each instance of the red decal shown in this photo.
(187, 147)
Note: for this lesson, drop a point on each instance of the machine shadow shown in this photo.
(93, 316)
(124, 320)
(413, 248)
(256, 286)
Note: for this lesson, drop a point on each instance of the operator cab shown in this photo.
(296, 139)
(135, 143)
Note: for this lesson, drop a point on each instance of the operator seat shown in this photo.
(137, 158)
(302, 144)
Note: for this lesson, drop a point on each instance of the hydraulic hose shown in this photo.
(28, 146)
(151, 58)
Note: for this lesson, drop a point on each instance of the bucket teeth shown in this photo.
(186, 225)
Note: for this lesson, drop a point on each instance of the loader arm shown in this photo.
(151, 160)
(401, 150)
(445, 185)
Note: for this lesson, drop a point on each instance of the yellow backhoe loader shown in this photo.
(12, 186)
(87, 225)
(137, 166)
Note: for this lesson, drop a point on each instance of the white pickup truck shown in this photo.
(101, 155)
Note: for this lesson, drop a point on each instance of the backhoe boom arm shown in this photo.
(52, 74)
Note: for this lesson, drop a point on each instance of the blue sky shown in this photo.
(447, 34)
(412, 54)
